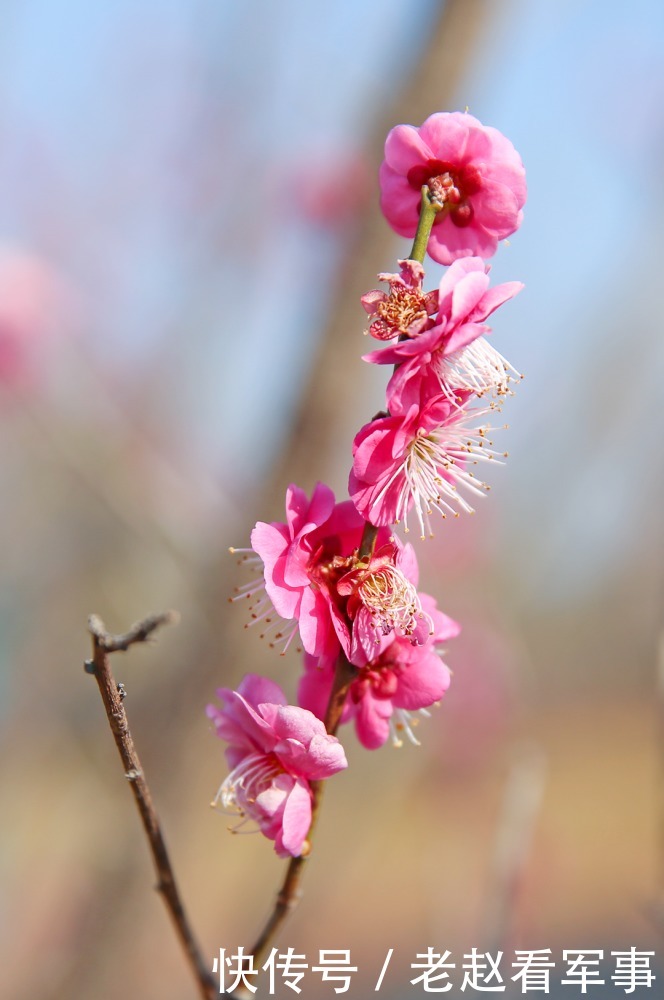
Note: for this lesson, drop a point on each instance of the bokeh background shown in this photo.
(188, 215)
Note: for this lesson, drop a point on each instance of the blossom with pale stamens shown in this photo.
(275, 751)
(419, 459)
(452, 355)
(314, 577)
(382, 601)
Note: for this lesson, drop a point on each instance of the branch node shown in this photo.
(140, 631)
(133, 775)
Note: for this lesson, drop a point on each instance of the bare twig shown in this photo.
(139, 631)
(103, 643)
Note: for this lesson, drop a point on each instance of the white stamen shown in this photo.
(262, 610)
(402, 721)
(393, 601)
(477, 368)
(245, 782)
(433, 469)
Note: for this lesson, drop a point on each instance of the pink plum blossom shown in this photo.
(286, 551)
(382, 600)
(37, 308)
(311, 574)
(405, 309)
(275, 751)
(402, 679)
(472, 169)
(452, 348)
(418, 458)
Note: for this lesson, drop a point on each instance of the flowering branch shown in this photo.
(103, 644)
(335, 571)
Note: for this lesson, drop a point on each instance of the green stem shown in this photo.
(428, 211)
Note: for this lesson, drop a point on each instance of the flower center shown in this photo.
(243, 785)
(391, 599)
(451, 186)
(398, 311)
(381, 681)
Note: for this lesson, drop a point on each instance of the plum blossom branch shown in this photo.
(112, 694)
(334, 570)
(289, 894)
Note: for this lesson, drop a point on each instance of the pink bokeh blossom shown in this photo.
(471, 168)
(275, 750)
(36, 308)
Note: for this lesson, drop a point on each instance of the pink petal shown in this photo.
(494, 298)
(293, 723)
(239, 722)
(446, 135)
(296, 820)
(399, 202)
(448, 242)
(456, 273)
(467, 293)
(424, 682)
(372, 721)
(465, 335)
(321, 759)
(496, 209)
(315, 624)
(407, 562)
(321, 506)
(296, 507)
(271, 542)
(370, 301)
(313, 692)
(406, 148)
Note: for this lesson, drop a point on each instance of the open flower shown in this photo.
(404, 678)
(382, 601)
(313, 575)
(275, 750)
(403, 311)
(453, 348)
(419, 459)
(285, 553)
(472, 170)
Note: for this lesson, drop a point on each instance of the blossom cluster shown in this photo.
(418, 454)
(334, 574)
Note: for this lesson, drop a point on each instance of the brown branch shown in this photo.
(139, 631)
(103, 643)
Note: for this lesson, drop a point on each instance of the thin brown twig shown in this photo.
(103, 644)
